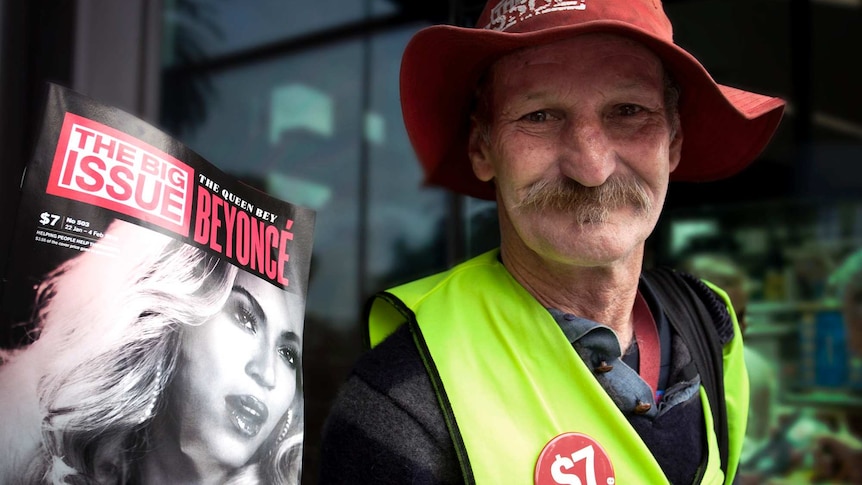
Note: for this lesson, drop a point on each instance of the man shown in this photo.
(551, 360)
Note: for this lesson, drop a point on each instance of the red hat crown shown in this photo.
(521, 16)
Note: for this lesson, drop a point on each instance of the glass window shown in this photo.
(836, 113)
(290, 126)
(407, 223)
(227, 26)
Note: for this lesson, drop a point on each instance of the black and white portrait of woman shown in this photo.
(158, 364)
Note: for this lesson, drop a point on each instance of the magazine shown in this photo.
(158, 307)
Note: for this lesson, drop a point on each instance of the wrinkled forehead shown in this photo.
(595, 66)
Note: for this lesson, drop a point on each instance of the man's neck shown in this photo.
(604, 294)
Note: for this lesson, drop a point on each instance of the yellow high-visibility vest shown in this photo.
(508, 380)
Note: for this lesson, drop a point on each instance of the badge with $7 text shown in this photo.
(574, 459)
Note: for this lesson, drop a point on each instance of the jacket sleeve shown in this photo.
(385, 426)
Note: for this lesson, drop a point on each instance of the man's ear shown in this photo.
(675, 150)
(477, 150)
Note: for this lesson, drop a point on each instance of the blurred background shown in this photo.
(301, 99)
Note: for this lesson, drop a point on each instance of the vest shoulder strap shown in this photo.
(703, 322)
(398, 314)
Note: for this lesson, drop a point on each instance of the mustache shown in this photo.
(586, 204)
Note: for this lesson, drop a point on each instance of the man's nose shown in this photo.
(586, 155)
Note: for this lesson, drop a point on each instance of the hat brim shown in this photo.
(724, 129)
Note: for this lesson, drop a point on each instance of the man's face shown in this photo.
(587, 117)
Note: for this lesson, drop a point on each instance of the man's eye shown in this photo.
(537, 116)
(629, 109)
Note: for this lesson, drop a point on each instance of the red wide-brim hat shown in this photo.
(724, 128)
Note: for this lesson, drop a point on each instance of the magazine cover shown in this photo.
(158, 308)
